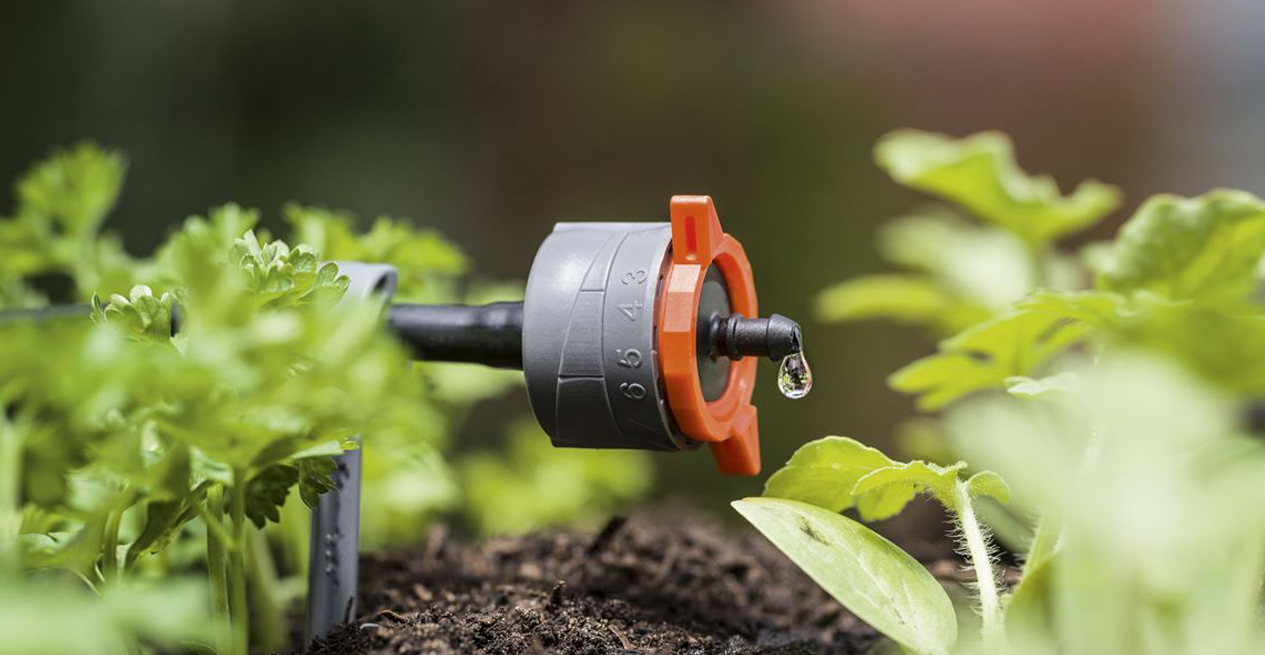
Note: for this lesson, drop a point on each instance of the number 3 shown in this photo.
(634, 277)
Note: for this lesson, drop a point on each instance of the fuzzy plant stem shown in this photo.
(981, 560)
(217, 567)
(237, 600)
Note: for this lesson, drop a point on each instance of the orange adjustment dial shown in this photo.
(728, 424)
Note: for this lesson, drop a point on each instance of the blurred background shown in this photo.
(490, 121)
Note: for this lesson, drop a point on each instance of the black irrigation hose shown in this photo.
(488, 334)
(481, 334)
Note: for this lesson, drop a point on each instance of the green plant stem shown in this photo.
(217, 567)
(270, 628)
(981, 561)
(10, 496)
(237, 600)
(110, 544)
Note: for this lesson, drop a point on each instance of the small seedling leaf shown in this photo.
(898, 484)
(990, 484)
(822, 472)
(868, 574)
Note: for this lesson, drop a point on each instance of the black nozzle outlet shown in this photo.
(735, 337)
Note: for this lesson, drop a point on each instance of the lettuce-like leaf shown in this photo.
(986, 355)
(1204, 248)
(980, 174)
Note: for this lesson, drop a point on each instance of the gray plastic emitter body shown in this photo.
(589, 337)
(334, 562)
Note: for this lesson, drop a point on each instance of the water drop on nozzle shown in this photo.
(794, 378)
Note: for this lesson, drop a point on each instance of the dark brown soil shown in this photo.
(668, 582)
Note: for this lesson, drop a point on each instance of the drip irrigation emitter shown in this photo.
(630, 335)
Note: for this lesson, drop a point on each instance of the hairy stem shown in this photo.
(217, 567)
(10, 496)
(981, 561)
(237, 567)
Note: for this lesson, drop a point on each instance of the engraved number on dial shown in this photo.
(634, 277)
(630, 358)
(630, 309)
(632, 390)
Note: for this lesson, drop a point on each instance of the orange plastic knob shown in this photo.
(728, 424)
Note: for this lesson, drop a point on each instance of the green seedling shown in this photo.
(869, 575)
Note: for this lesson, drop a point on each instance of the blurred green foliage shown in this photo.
(1115, 407)
(534, 484)
(122, 444)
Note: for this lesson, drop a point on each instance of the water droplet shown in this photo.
(794, 378)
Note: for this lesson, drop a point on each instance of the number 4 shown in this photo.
(630, 310)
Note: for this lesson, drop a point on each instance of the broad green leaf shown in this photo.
(979, 173)
(982, 264)
(1206, 247)
(823, 472)
(872, 577)
(1096, 308)
(985, 356)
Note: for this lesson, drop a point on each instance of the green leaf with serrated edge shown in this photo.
(985, 356)
(142, 315)
(979, 173)
(1206, 247)
(267, 492)
(76, 188)
(869, 575)
(822, 472)
(315, 480)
